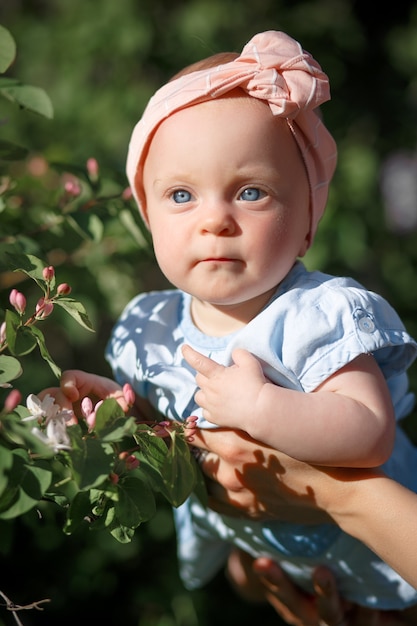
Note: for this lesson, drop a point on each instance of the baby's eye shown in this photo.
(181, 195)
(251, 194)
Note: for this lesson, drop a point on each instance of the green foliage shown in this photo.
(26, 96)
(86, 476)
(109, 475)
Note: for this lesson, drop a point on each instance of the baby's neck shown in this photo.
(220, 320)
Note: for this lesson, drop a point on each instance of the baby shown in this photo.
(230, 165)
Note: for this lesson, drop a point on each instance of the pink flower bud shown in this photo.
(12, 400)
(92, 168)
(12, 297)
(48, 273)
(131, 462)
(63, 289)
(3, 333)
(127, 194)
(161, 429)
(129, 394)
(43, 308)
(18, 301)
(37, 166)
(91, 420)
(86, 407)
(72, 188)
(114, 478)
(88, 412)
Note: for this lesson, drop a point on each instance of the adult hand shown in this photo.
(77, 384)
(247, 478)
(262, 580)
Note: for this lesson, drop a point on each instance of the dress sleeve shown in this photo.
(315, 327)
(343, 324)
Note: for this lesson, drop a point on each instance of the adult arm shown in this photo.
(257, 481)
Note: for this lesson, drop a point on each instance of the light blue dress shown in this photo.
(313, 326)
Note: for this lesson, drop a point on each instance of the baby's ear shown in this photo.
(144, 212)
(141, 199)
(305, 245)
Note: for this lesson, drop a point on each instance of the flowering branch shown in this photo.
(101, 467)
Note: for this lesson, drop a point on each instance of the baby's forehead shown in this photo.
(237, 106)
(230, 138)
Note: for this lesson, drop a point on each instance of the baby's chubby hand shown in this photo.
(227, 395)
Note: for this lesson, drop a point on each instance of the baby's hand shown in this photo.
(227, 395)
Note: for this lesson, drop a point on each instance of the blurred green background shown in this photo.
(100, 61)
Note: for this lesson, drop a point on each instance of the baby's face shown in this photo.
(227, 200)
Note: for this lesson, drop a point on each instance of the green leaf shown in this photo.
(29, 264)
(44, 352)
(20, 433)
(153, 449)
(11, 152)
(123, 534)
(172, 471)
(6, 464)
(31, 98)
(91, 462)
(132, 227)
(78, 510)
(178, 472)
(5, 81)
(10, 368)
(20, 339)
(63, 488)
(76, 310)
(88, 225)
(111, 423)
(108, 413)
(104, 510)
(136, 502)
(28, 483)
(7, 49)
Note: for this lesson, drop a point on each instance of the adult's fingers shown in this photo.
(77, 384)
(243, 579)
(58, 395)
(331, 608)
(290, 602)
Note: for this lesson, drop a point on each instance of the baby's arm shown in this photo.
(348, 421)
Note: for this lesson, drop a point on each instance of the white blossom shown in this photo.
(39, 409)
(52, 418)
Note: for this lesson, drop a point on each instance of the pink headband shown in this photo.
(272, 67)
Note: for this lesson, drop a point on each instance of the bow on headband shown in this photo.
(272, 67)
